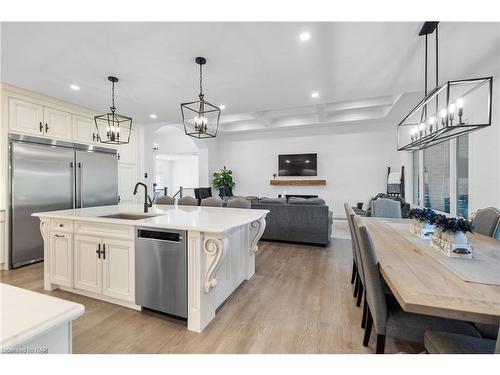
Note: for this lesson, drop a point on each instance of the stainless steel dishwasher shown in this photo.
(161, 270)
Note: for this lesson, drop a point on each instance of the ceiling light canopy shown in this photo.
(200, 118)
(111, 127)
(447, 111)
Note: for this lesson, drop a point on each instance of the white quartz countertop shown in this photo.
(203, 219)
(25, 315)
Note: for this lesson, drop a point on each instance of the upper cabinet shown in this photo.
(26, 117)
(57, 124)
(83, 129)
(127, 153)
(35, 119)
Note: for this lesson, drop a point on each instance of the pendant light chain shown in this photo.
(113, 108)
(201, 81)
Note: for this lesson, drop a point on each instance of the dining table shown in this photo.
(424, 283)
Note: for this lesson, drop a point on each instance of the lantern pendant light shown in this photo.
(200, 118)
(111, 127)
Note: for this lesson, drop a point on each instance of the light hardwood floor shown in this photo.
(299, 301)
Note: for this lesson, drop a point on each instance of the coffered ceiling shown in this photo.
(262, 72)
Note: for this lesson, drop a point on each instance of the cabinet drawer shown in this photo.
(108, 230)
(62, 225)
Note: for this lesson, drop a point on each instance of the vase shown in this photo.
(458, 238)
(438, 232)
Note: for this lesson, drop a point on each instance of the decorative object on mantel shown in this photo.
(223, 181)
(200, 118)
(113, 124)
(447, 111)
(303, 182)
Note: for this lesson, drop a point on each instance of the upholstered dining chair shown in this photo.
(187, 201)
(438, 342)
(486, 221)
(385, 207)
(236, 202)
(165, 199)
(211, 202)
(354, 263)
(384, 313)
(360, 279)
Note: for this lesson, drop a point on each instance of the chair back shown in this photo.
(497, 346)
(384, 207)
(165, 199)
(375, 295)
(211, 202)
(486, 221)
(202, 193)
(235, 202)
(354, 241)
(187, 201)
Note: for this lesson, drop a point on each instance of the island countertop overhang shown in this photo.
(191, 218)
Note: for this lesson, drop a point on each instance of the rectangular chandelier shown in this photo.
(448, 111)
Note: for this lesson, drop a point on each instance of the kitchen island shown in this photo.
(91, 251)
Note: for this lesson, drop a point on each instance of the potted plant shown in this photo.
(454, 229)
(223, 181)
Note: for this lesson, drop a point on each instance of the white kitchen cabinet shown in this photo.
(61, 258)
(88, 264)
(110, 272)
(118, 269)
(127, 153)
(83, 129)
(127, 177)
(57, 124)
(25, 117)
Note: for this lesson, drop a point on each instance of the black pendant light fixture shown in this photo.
(447, 111)
(200, 118)
(113, 128)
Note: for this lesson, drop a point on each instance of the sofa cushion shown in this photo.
(265, 200)
(252, 198)
(306, 201)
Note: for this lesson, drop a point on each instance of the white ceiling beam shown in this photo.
(262, 119)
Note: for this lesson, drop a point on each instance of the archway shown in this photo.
(175, 161)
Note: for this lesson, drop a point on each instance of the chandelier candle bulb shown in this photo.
(443, 117)
(422, 127)
(452, 113)
(460, 106)
(432, 120)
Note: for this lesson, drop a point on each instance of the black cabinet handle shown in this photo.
(59, 235)
(103, 251)
(93, 137)
(98, 251)
(41, 127)
(46, 127)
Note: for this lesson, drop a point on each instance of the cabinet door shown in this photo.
(88, 264)
(57, 124)
(83, 129)
(25, 117)
(126, 182)
(61, 258)
(127, 153)
(118, 269)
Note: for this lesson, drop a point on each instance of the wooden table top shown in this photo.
(422, 285)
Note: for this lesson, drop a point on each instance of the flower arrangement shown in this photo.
(454, 224)
(423, 214)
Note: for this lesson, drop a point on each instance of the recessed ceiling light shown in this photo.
(74, 87)
(153, 116)
(305, 36)
(314, 95)
(222, 106)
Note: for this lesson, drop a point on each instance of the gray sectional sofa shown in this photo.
(296, 219)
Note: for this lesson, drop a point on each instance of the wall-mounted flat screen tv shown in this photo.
(297, 165)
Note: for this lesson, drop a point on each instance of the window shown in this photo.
(416, 177)
(463, 176)
(437, 177)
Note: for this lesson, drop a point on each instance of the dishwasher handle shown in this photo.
(163, 236)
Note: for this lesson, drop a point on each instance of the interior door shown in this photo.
(97, 179)
(41, 180)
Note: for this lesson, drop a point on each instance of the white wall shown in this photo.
(176, 173)
(353, 159)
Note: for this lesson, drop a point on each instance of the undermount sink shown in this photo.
(129, 216)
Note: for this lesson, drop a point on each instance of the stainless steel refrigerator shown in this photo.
(48, 175)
